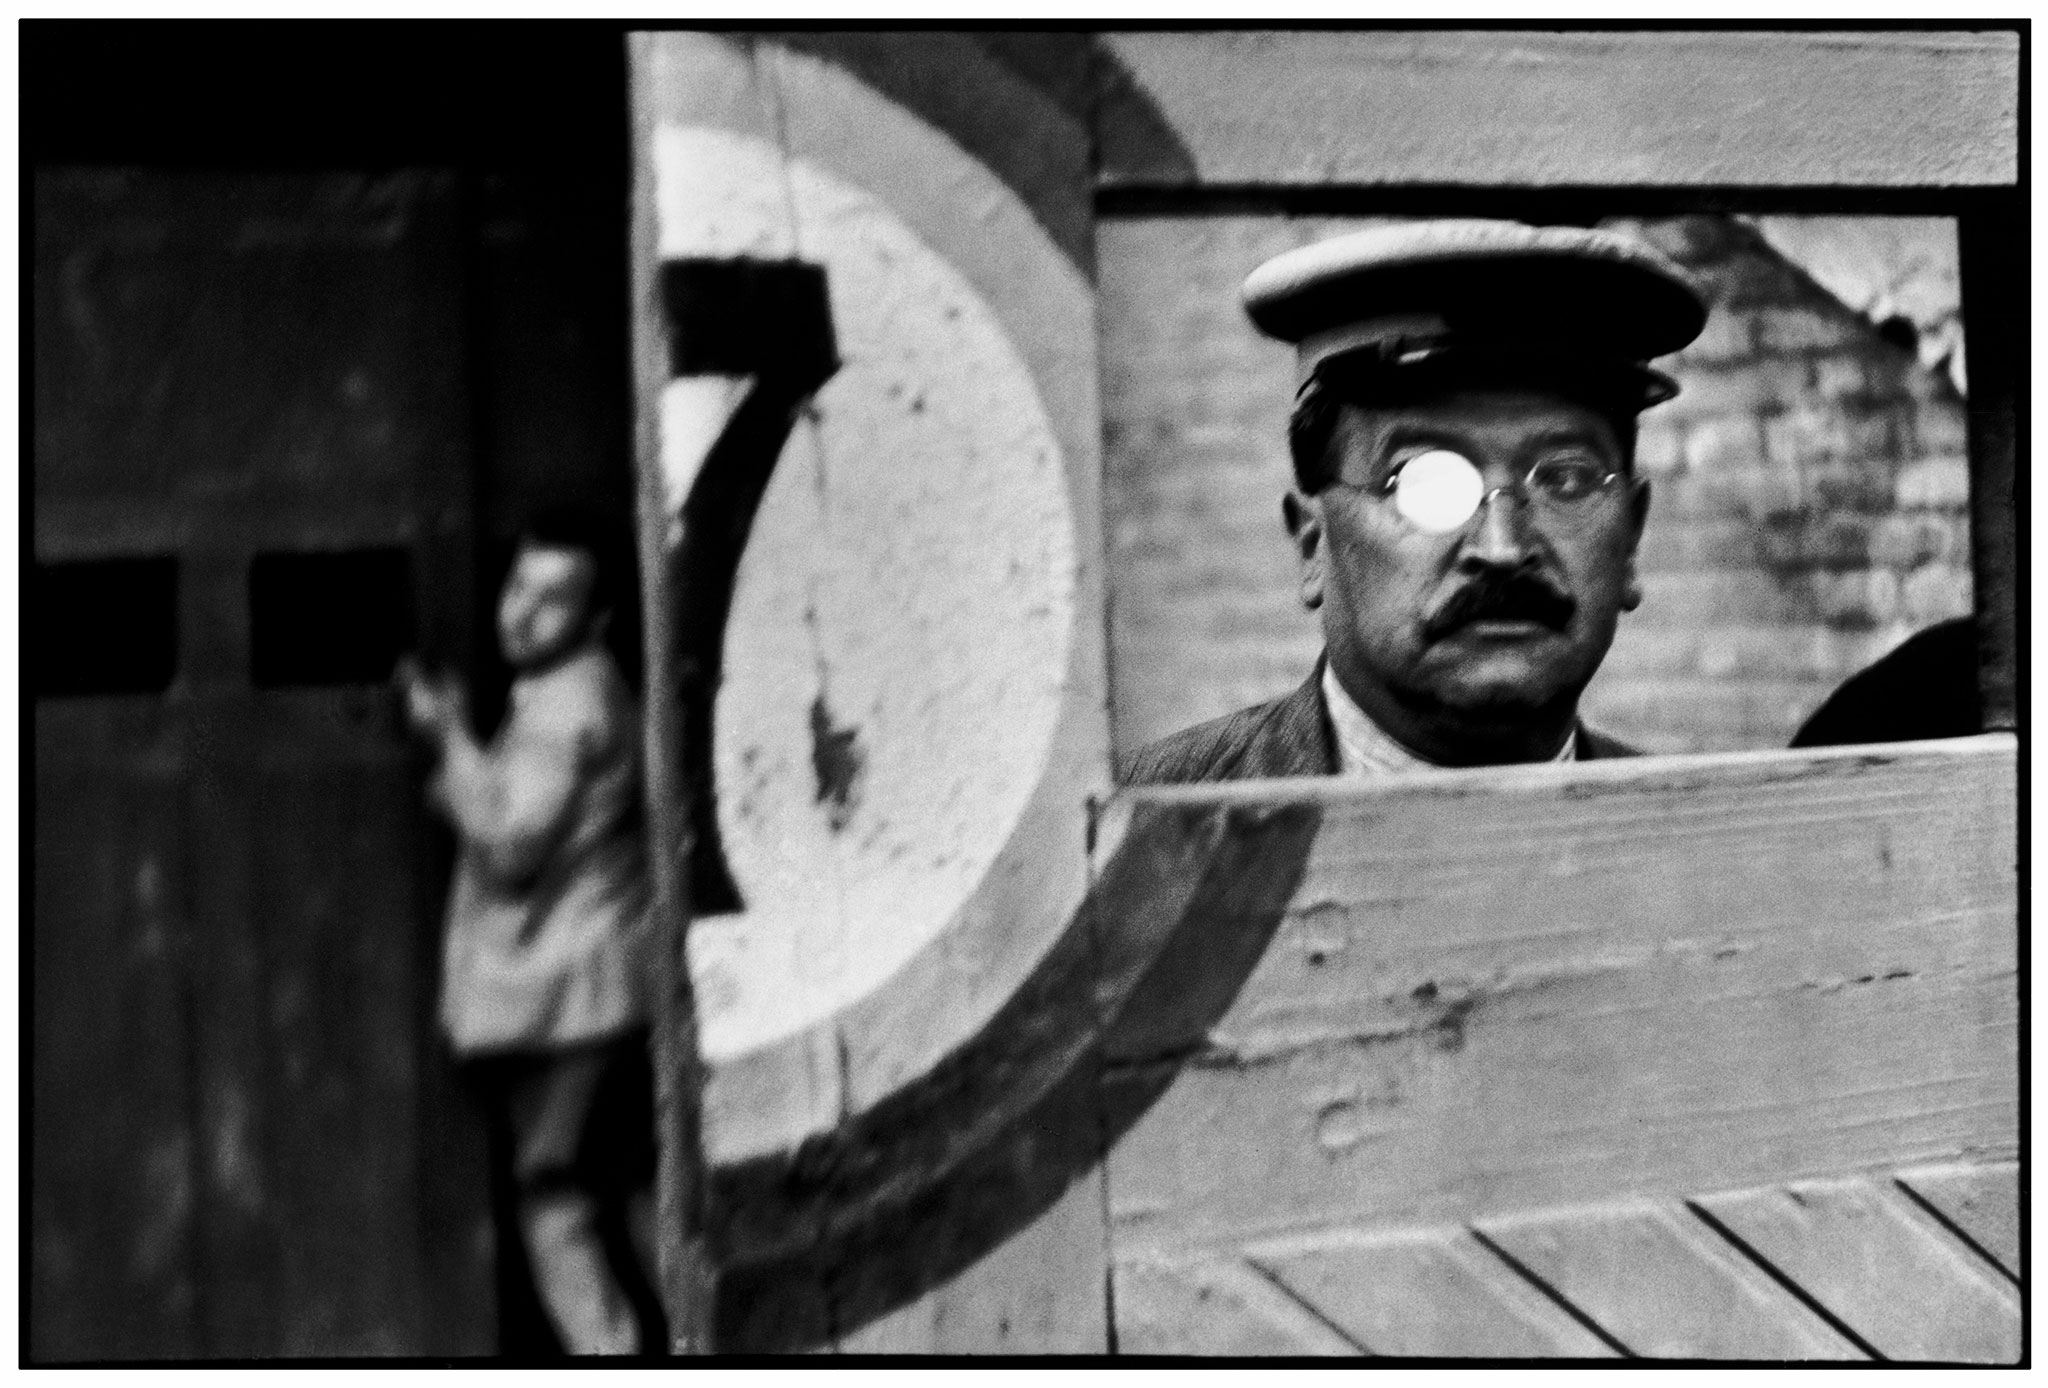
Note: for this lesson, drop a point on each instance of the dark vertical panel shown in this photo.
(231, 360)
(1993, 235)
(340, 1050)
(233, 1106)
(112, 1201)
(455, 1233)
(240, 364)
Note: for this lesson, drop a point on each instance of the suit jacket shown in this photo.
(1288, 736)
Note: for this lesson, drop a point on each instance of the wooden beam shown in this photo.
(687, 1276)
(1515, 988)
(1994, 250)
(1557, 109)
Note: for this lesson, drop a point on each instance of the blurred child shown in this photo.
(546, 965)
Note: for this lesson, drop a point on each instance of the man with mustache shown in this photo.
(1466, 510)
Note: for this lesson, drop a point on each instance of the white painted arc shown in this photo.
(908, 589)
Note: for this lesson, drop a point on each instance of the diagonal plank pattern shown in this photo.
(1981, 1203)
(1429, 1292)
(1883, 1266)
(1662, 1284)
(1839, 1270)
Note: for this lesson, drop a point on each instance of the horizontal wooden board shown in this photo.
(1685, 109)
(1512, 989)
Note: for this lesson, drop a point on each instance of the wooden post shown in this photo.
(686, 1271)
(1993, 246)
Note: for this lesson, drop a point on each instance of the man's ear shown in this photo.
(1638, 517)
(1304, 517)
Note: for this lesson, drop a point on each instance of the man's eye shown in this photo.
(1568, 479)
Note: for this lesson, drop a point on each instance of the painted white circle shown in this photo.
(1438, 491)
(896, 650)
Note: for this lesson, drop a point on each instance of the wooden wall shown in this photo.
(1048, 1143)
(1518, 1030)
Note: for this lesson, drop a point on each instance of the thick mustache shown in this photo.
(1509, 597)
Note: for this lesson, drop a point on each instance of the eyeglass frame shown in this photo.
(1572, 512)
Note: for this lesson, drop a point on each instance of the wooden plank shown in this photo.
(898, 1197)
(1216, 1308)
(683, 1259)
(1477, 108)
(240, 1238)
(1994, 252)
(1039, 1292)
(111, 1203)
(1427, 1292)
(1665, 1285)
(903, 1159)
(92, 527)
(340, 1056)
(1983, 1202)
(1517, 988)
(1881, 1265)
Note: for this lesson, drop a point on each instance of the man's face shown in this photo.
(1493, 626)
(544, 610)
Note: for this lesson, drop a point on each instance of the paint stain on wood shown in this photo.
(838, 760)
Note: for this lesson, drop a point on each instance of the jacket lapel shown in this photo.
(1294, 738)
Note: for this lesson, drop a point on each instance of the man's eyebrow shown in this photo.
(1407, 432)
(1418, 431)
(1568, 433)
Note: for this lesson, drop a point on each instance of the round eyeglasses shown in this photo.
(1439, 490)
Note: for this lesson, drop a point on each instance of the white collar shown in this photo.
(1364, 748)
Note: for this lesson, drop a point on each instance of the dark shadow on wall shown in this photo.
(1011, 99)
(899, 1199)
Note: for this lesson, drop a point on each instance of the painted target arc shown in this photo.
(884, 770)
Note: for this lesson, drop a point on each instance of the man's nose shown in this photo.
(1501, 538)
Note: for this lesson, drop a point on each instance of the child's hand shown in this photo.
(433, 706)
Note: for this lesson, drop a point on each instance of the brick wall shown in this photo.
(1809, 506)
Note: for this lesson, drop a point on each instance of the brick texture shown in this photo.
(1810, 503)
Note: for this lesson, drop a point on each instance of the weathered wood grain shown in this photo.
(684, 1265)
(1981, 1201)
(889, 1127)
(1882, 1266)
(1038, 1292)
(1476, 108)
(1218, 1307)
(1436, 1292)
(1665, 1285)
(1512, 989)
(900, 1197)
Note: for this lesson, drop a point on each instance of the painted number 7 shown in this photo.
(749, 342)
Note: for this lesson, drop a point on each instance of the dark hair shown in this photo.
(1366, 384)
(605, 540)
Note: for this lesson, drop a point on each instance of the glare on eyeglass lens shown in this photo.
(1439, 490)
